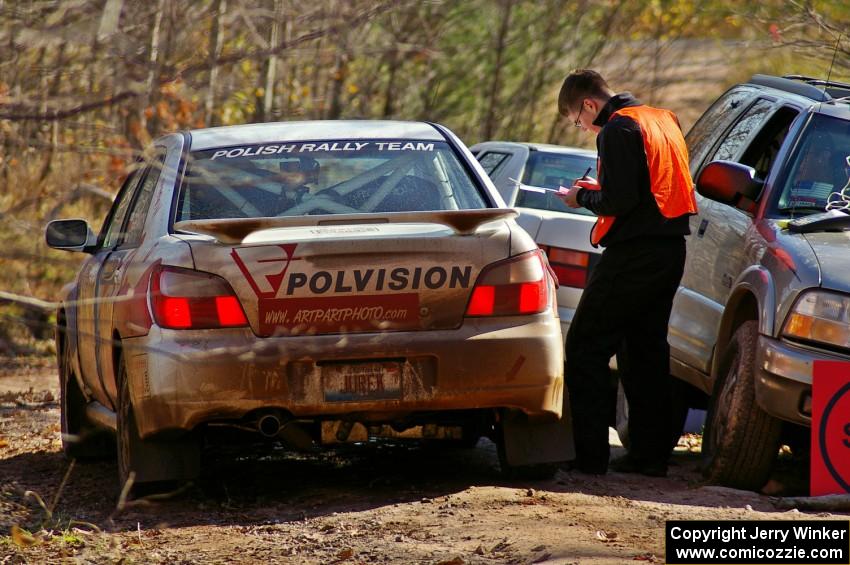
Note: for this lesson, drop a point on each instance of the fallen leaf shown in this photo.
(23, 538)
(346, 553)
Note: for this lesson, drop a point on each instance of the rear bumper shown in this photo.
(180, 379)
(784, 379)
(566, 316)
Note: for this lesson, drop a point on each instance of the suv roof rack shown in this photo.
(792, 84)
(833, 88)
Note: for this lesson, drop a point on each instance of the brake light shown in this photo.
(511, 287)
(185, 299)
(569, 265)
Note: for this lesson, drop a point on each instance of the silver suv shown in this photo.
(766, 290)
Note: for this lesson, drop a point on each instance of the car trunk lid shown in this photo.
(352, 273)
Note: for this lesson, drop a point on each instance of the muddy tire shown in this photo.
(741, 441)
(153, 465)
(80, 438)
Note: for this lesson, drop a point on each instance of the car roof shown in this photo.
(539, 147)
(319, 130)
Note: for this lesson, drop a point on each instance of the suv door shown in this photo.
(721, 246)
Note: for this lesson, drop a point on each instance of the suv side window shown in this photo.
(492, 160)
(751, 121)
(763, 150)
(717, 118)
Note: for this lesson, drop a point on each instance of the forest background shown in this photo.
(85, 84)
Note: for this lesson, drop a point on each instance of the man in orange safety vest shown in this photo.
(643, 199)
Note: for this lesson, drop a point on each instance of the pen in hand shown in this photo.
(587, 172)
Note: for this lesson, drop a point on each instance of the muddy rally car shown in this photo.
(309, 283)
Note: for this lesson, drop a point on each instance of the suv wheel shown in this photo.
(741, 441)
(80, 439)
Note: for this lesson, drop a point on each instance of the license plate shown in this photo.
(361, 381)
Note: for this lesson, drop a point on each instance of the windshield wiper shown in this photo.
(831, 220)
(811, 209)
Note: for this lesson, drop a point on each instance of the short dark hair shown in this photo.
(581, 84)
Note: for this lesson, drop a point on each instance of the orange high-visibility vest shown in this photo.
(667, 159)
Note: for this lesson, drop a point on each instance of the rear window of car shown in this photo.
(325, 177)
(550, 170)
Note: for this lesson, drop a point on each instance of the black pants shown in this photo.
(624, 310)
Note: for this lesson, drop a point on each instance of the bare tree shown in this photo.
(216, 45)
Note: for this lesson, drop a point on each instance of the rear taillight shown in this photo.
(516, 286)
(184, 299)
(570, 266)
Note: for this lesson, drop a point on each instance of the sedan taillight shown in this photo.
(183, 299)
(511, 287)
(569, 265)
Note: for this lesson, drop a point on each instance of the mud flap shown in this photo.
(533, 443)
(155, 461)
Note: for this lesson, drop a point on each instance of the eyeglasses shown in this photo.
(581, 108)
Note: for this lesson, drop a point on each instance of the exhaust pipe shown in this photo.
(277, 425)
(269, 425)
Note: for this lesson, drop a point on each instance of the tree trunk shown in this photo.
(499, 47)
(340, 70)
(142, 135)
(217, 39)
(389, 92)
(271, 62)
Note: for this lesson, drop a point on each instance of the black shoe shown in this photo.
(628, 464)
(585, 467)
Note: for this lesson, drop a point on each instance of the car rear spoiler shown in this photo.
(235, 230)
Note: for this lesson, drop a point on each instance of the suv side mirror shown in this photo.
(729, 182)
(69, 235)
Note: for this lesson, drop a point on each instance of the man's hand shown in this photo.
(569, 195)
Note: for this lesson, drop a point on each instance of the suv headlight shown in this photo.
(822, 317)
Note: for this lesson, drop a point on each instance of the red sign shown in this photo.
(329, 314)
(830, 472)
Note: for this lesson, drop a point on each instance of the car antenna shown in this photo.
(831, 64)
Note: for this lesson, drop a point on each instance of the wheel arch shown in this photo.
(753, 298)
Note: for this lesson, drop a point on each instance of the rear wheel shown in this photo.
(741, 440)
(152, 464)
(80, 438)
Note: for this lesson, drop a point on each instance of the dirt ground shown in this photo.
(362, 504)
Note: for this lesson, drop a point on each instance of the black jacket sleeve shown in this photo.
(624, 169)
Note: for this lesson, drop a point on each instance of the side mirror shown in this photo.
(729, 182)
(69, 235)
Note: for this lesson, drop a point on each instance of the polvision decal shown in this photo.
(267, 269)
